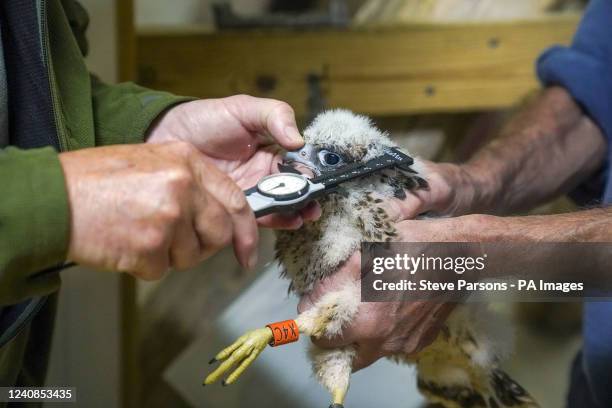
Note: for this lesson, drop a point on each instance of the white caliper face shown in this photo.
(282, 184)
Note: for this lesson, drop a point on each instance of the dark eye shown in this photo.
(331, 159)
(328, 158)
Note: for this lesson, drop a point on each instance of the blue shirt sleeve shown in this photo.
(584, 69)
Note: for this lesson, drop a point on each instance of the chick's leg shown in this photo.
(332, 368)
(324, 319)
(246, 349)
(242, 353)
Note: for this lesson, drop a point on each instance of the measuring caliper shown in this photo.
(285, 191)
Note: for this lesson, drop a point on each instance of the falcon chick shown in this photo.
(461, 367)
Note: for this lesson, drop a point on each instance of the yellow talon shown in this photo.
(242, 367)
(223, 354)
(244, 351)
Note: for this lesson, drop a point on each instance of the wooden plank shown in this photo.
(404, 69)
(126, 40)
(130, 386)
(404, 96)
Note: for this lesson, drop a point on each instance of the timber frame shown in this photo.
(417, 68)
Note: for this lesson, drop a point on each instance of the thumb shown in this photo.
(267, 116)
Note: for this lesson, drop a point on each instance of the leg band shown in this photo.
(283, 332)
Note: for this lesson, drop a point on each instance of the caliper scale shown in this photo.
(286, 191)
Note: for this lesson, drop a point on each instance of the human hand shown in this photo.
(451, 192)
(386, 328)
(237, 134)
(379, 329)
(145, 208)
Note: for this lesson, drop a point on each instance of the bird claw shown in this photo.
(242, 352)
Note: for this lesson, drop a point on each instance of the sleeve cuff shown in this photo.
(34, 222)
(155, 104)
(584, 77)
(588, 80)
(124, 112)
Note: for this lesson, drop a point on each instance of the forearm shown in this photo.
(593, 225)
(572, 246)
(545, 151)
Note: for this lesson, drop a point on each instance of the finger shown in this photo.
(290, 221)
(242, 223)
(439, 314)
(406, 209)
(153, 268)
(366, 356)
(418, 231)
(311, 212)
(185, 251)
(246, 238)
(212, 224)
(152, 257)
(210, 220)
(270, 116)
(150, 269)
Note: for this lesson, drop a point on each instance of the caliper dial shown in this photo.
(283, 186)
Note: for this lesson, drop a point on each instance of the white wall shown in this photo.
(102, 36)
(164, 12)
(154, 12)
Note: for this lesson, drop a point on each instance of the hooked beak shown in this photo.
(301, 161)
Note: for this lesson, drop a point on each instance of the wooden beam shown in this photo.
(129, 348)
(126, 40)
(392, 70)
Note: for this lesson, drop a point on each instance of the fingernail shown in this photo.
(292, 133)
(252, 260)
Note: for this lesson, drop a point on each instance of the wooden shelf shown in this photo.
(392, 70)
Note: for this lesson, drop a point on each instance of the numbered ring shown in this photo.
(284, 332)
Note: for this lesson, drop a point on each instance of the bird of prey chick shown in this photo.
(460, 368)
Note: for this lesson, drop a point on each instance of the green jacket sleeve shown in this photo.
(34, 222)
(122, 113)
(34, 212)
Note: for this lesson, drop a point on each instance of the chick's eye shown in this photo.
(329, 159)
